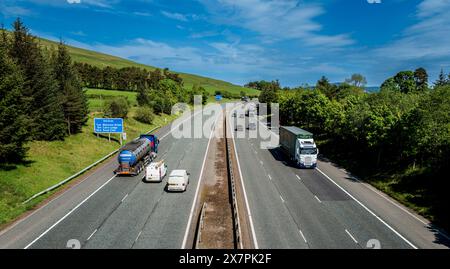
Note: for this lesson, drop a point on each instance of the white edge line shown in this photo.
(75, 185)
(269, 177)
(298, 177)
(304, 238)
(125, 197)
(317, 198)
(351, 236)
(282, 199)
(70, 212)
(361, 204)
(368, 210)
(183, 246)
(389, 200)
(92, 234)
(252, 227)
(137, 237)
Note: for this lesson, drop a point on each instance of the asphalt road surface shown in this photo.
(289, 207)
(107, 211)
(320, 208)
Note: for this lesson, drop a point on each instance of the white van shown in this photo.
(156, 171)
(178, 180)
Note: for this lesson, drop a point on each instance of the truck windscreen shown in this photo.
(308, 151)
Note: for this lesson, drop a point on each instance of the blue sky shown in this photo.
(295, 41)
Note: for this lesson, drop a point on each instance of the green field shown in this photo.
(103, 60)
(51, 162)
(96, 97)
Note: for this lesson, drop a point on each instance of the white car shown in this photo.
(178, 180)
(155, 172)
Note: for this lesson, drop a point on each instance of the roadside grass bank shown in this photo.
(48, 163)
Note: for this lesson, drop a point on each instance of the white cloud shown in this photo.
(74, 1)
(430, 7)
(175, 16)
(276, 20)
(13, 11)
(427, 39)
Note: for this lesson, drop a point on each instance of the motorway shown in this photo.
(320, 208)
(106, 211)
(288, 207)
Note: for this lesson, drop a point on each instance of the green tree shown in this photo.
(116, 108)
(405, 81)
(442, 81)
(40, 88)
(324, 86)
(145, 114)
(14, 123)
(269, 92)
(73, 98)
(357, 80)
(389, 85)
(421, 79)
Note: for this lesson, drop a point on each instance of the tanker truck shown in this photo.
(135, 155)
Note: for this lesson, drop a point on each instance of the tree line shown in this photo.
(126, 78)
(402, 129)
(41, 97)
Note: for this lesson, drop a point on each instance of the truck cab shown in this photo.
(306, 153)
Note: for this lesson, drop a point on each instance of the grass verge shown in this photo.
(50, 162)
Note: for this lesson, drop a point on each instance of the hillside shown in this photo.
(102, 60)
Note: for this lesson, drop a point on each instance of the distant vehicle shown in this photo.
(234, 114)
(135, 155)
(252, 126)
(241, 116)
(299, 145)
(178, 180)
(239, 128)
(245, 99)
(156, 171)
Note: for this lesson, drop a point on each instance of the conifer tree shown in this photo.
(73, 98)
(13, 122)
(43, 104)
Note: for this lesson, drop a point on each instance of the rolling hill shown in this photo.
(102, 60)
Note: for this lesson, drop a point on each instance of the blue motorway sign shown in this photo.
(108, 125)
(218, 97)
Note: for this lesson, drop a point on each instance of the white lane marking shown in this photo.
(125, 197)
(368, 210)
(70, 212)
(137, 237)
(191, 116)
(252, 227)
(351, 236)
(183, 246)
(317, 198)
(261, 162)
(77, 184)
(92, 234)
(282, 199)
(361, 204)
(304, 238)
(389, 200)
(298, 177)
(269, 177)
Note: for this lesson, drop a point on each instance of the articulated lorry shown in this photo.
(299, 145)
(135, 155)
